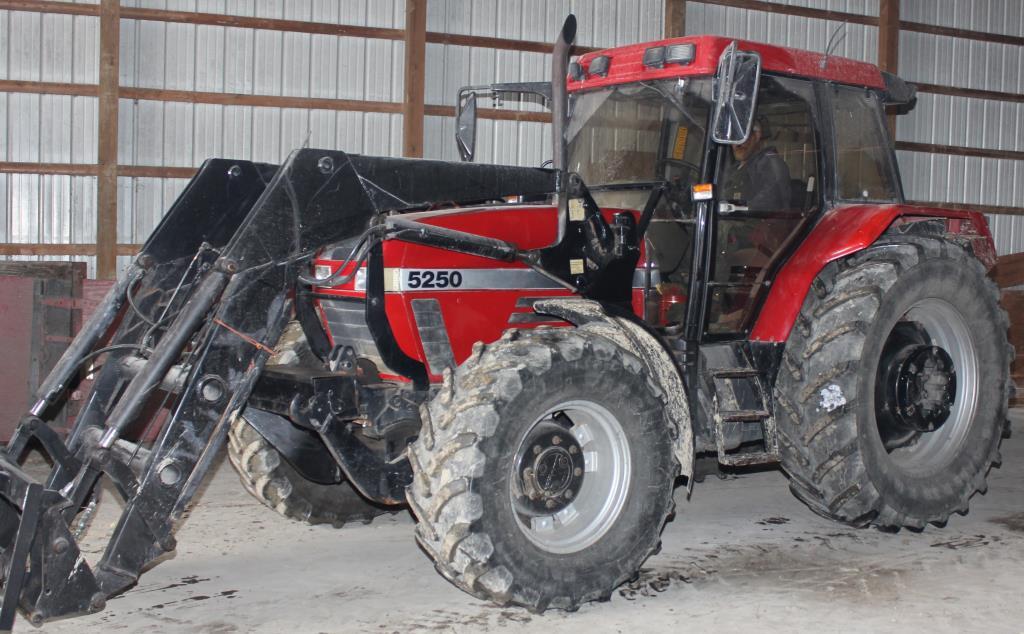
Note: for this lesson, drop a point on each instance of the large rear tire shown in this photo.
(543, 473)
(892, 396)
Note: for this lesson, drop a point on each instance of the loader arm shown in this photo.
(208, 296)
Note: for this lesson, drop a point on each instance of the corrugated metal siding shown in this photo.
(962, 121)
(48, 128)
(234, 60)
(602, 23)
(859, 42)
(205, 58)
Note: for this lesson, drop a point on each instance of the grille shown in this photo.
(346, 319)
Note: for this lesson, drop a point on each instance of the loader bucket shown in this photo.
(193, 321)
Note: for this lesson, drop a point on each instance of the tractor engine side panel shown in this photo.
(439, 302)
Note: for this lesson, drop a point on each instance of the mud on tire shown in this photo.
(856, 453)
(497, 516)
(266, 474)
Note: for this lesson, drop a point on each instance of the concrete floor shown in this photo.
(741, 553)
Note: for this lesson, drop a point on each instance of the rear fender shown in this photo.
(844, 231)
(660, 364)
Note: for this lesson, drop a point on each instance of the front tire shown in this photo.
(893, 392)
(544, 470)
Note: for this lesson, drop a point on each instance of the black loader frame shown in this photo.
(209, 295)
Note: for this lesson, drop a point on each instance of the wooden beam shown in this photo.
(92, 169)
(959, 150)
(65, 250)
(491, 113)
(480, 41)
(803, 12)
(106, 184)
(932, 29)
(50, 169)
(415, 77)
(265, 101)
(1009, 270)
(48, 88)
(675, 18)
(971, 93)
(889, 45)
(46, 6)
(291, 26)
(999, 210)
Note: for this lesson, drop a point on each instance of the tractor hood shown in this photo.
(325, 196)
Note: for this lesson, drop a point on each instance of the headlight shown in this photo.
(322, 271)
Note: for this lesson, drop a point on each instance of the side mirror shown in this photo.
(465, 127)
(739, 75)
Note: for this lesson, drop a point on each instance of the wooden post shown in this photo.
(675, 18)
(415, 77)
(106, 184)
(889, 43)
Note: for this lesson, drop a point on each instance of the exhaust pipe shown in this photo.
(559, 94)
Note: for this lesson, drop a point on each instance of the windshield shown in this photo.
(633, 136)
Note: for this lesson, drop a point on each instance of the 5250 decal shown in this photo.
(433, 279)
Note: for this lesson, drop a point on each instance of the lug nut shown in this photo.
(574, 450)
(536, 449)
(577, 472)
(556, 440)
(550, 504)
(569, 494)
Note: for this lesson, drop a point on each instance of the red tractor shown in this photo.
(719, 262)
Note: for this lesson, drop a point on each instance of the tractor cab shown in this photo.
(745, 144)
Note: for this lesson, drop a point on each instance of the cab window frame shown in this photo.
(888, 168)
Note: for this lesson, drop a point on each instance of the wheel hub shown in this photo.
(551, 469)
(917, 385)
(925, 387)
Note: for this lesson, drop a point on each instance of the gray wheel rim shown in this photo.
(948, 329)
(606, 480)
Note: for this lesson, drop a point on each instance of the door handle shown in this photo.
(728, 208)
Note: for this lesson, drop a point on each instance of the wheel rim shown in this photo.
(571, 477)
(923, 440)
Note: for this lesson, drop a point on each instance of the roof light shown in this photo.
(658, 56)
(680, 53)
(599, 66)
(654, 57)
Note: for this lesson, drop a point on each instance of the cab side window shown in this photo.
(863, 156)
(770, 187)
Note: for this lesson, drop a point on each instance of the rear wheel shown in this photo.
(893, 392)
(544, 470)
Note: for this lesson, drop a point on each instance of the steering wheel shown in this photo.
(665, 162)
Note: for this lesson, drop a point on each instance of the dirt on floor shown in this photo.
(740, 553)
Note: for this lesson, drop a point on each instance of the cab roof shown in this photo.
(626, 63)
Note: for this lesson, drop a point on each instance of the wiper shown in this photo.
(675, 102)
(626, 186)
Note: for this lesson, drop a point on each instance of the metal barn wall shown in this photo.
(64, 48)
(48, 128)
(238, 60)
(937, 119)
(975, 123)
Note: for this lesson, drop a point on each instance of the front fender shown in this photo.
(659, 362)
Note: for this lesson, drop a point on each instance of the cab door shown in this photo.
(767, 191)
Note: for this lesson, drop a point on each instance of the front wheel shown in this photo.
(544, 470)
(893, 392)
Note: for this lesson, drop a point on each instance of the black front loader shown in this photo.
(194, 319)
